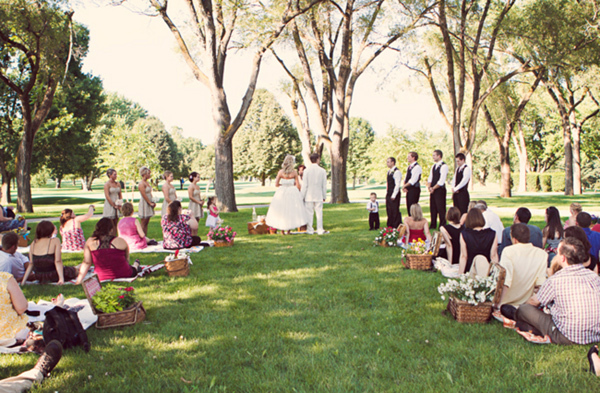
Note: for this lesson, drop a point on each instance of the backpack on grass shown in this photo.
(64, 326)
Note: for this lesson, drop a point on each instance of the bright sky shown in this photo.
(136, 56)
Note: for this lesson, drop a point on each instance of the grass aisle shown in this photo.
(306, 314)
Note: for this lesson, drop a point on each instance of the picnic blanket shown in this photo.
(146, 269)
(149, 249)
(529, 336)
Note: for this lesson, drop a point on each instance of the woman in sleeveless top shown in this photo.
(553, 232)
(13, 321)
(131, 230)
(46, 259)
(177, 229)
(474, 240)
(169, 192)
(109, 254)
(196, 201)
(147, 205)
(113, 196)
(416, 225)
(451, 234)
(70, 229)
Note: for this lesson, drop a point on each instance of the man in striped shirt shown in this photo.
(572, 296)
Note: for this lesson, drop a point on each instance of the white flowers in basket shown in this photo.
(473, 290)
(178, 255)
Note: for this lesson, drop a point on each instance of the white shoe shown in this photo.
(323, 233)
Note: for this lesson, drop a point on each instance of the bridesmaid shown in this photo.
(196, 201)
(112, 193)
(169, 192)
(146, 206)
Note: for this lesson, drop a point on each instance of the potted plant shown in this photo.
(418, 255)
(113, 299)
(469, 298)
(388, 237)
(222, 236)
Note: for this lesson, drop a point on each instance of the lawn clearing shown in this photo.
(302, 313)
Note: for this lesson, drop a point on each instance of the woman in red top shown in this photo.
(109, 254)
(417, 227)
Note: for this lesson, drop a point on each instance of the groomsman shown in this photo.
(412, 185)
(392, 195)
(436, 184)
(460, 184)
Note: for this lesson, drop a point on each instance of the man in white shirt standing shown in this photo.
(412, 181)
(436, 184)
(460, 184)
(392, 195)
(314, 192)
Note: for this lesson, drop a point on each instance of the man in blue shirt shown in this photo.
(522, 216)
(584, 221)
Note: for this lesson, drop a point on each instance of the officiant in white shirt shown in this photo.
(314, 192)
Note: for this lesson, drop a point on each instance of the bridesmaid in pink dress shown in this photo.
(416, 225)
(131, 230)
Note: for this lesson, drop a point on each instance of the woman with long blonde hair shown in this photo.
(287, 209)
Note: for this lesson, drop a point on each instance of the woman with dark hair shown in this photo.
(108, 253)
(553, 232)
(451, 234)
(70, 229)
(113, 195)
(177, 229)
(196, 201)
(475, 241)
(46, 259)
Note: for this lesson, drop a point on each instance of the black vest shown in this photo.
(458, 178)
(391, 183)
(435, 174)
(409, 175)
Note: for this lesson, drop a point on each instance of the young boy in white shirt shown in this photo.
(373, 208)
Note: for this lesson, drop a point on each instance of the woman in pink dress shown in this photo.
(70, 229)
(131, 230)
(416, 225)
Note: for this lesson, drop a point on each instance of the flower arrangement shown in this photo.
(419, 247)
(112, 299)
(219, 233)
(177, 255)
(389, 236)
(472, 290)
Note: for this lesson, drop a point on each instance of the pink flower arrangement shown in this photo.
(222, 234)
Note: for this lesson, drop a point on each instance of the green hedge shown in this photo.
(533, 182)
(558, 182)
(546, 182)
(514, 181)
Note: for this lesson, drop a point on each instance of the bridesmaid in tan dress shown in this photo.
(169, 192)
(196, 201)
(146, 206)
(112, 193)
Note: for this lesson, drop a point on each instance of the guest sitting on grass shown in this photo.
(572, 296)
(477, 241)
(177, 229)
(574, 209)
(451, 234)
(12, 261)
(553, 232)
(131, 229)
(463, 218)
(13, 321)
(522, 216)
(525, 267)
(584, 221)
(579, 234)
(108, 253)
(46, 259)
(70, 229)
(8, 221)
(417, 227)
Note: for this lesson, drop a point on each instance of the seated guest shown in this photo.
(416, 225)
(492, 220)
(463, 218)
(572, 296)
(584, 221)
(46, 259)
(580, 235)
(525, 267)
(574, 209)
(553, 232)
(12, 261)
(177, 228)
(108, 253)
(70, 229)
(131, 229)
(451, 234)
(45, 364)
(475, 240)
(13, 321)
(8, 221)
(522, 216)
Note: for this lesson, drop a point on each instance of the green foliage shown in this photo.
(169, 158)
(545, 182)
(533, 182)
(112, 298)
(362, 136)
(558, 182)
(265, 138)
(189, 150)
(514, 181)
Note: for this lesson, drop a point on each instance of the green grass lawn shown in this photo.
(302, 314)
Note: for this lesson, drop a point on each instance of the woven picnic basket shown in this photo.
(464, 312)
(418, 261)
(177, 267)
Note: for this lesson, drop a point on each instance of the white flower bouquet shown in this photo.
(473, 290)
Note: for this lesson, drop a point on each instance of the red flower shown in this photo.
(122, 297)
(129, 289)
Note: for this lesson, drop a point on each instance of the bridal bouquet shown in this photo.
(388, 236)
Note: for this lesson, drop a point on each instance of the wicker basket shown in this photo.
(23, 241)
(223, 243)
(177, 267)
(468, 313)
(258, 228)
(418, 261)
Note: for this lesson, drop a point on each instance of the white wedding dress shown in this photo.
(287, 210)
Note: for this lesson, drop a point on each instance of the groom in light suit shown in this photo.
(314, 191)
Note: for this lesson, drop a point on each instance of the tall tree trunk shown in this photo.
(505, 191)
(521, 149)
(576, 135)
(6, 199)
(224, 186)
(58, 181)
(24, 154)
(263, 178)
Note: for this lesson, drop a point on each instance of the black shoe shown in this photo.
(152, 242)
(509, 311)
(50, 357)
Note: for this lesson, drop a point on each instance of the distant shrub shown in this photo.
(533, 182)
(546, 182)
(558, 182)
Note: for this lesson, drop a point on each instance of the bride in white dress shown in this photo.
(287, 210)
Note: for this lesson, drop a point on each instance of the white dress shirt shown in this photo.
(465, 179)
(416, 171)
(397, 181)
(443, 174)
(373, 205)
(493, 221)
